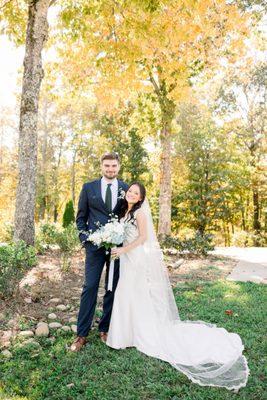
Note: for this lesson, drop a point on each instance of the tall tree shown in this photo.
(127, 139)
(243, 98)
(36, 36)
(154, 46)
(212, 174)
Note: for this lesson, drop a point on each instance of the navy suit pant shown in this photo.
(94, 264)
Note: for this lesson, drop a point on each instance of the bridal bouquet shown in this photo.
(109, 235)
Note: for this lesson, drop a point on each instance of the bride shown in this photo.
(145, 314)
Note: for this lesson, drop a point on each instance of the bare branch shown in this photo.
(154, 83)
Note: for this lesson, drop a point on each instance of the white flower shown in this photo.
(122, 194)
(108, 235)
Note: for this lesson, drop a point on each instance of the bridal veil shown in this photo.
(206, 354)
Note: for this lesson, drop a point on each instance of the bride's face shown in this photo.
(133, 194)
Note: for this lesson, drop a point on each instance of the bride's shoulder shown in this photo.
(139, 213)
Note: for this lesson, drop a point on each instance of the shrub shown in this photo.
(40, 246)
(248, 239)
(67, 240)
(68, 216)
(15, 260)
(198, 244)
(7, 232)
(47, 235)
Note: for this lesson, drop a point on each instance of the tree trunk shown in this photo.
(167, 107)
(55, 212)
(73, 176)
(256, 210)
(243, 218)
(56, 188)
(164, 226)
(43, 172)
(255, 192)
(36, 37)
(256, 215)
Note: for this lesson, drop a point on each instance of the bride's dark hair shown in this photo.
(124, 206)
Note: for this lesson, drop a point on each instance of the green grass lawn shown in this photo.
(99, 372)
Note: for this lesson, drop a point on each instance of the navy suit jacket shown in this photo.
(92, 209)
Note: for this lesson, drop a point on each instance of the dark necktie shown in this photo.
(108, 199)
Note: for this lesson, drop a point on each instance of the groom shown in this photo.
(98, 199)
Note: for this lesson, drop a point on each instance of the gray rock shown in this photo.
(40, 323)
(6, 344)
(42, 329)
(26, 334)
(11, 323)
(172, 251)
(28, 300)
(52, 316)
(6, 353)
(178, 263)
(73, 319)
(54, 300)
(6, 335)
(62, 307)
(74, 328)
(54, 325)
(66, 328)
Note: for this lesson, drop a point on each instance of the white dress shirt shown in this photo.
(114, 190)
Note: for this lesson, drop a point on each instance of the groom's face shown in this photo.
(110, 168)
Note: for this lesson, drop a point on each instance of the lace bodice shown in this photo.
(131, 230)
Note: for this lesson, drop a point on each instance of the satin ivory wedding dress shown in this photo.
(145, 316)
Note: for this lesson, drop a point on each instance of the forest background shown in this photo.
(177, 88)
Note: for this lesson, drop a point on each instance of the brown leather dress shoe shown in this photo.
(103, 336)
(78, 343)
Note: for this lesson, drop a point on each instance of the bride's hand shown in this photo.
(117, 251)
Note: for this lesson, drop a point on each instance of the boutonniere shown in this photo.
(121, 194)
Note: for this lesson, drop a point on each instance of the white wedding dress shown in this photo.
(145, 316)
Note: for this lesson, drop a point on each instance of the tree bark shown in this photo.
(164, 226)
(255, 190)
(56, 188)
(37, 31)
(73, 176)
(43, 169)
(167, 107)
(256, 210)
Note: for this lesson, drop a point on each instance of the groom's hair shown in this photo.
(110, 156)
